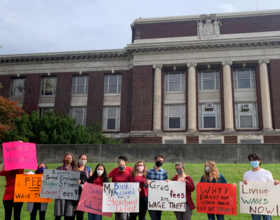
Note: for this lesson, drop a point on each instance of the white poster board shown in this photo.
(60, 184)
(259, 198)
(120, 197)
(167, 196)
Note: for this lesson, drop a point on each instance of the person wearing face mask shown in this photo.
(138, 174)
(116, 170)
(181, 176)
(257, 174)
(34, 207)
(98, 177)
(156, 173)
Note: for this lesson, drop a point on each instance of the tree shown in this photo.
(52, 129)
(9, 111)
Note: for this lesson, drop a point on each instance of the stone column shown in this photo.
(228, 103)
(192, 116)
(265, 95)
(157, 98)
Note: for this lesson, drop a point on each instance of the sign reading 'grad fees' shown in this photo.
(19, 155)
(216, 198)
(168, 196)
(60, 184)
(120, 197)
(259, 198)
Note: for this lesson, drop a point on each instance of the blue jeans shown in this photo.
(94, 216)
(259, 217)
(212, 217)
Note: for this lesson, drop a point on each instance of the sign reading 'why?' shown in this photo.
(60, 184)
(19, 155)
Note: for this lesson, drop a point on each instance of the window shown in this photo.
(111, 118)
(174, 142)
(18, 87)
(209, 118)
(48, 86)
(174, 117)
(244, 79)
(246, 118)
(80, 114)
(209, 80)
(250, 141)
(174, 82)
(43, 111)
(113, 84)
(80, 85)
(211, 141)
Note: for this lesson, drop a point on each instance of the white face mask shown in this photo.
(140, 168)
(99, 172)
(82, 162)
(207, 169)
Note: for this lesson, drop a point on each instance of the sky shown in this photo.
(39, 26)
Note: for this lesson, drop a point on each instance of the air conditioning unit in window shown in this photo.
(245, 107)
(209, 106)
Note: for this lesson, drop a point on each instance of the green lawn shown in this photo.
(232, 172)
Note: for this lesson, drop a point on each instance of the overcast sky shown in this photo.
(38, 26)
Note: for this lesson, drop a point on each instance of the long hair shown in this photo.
(213, 171)
(73, 163)
(37, 171)
(134, 171)
(104, 175)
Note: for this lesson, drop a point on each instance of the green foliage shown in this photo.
(52, 129)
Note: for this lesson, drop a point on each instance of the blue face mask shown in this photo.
(41, 169)
(179, 171)
(121, 168)
(254, 164)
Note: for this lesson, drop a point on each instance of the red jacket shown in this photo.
(189, 188)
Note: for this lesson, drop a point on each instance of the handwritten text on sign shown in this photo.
(168, 196)
(91, 200)
(259, 198)
(19, 155)
(60, 184)
(27, 188)
(120, 197)
(216, 198)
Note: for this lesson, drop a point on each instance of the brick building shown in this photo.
(189, 79)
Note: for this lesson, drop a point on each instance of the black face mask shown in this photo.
(158, 163)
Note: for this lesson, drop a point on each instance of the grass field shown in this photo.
(232, 172)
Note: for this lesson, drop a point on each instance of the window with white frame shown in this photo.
(18, 87)
(80, 114)
(211, 141)
(174, 117)
(48, 86)
(250, 141)
(43, 111)
(246, 115)
(209, 80)
(209, 118)
(244, 79)
(113, 84)
(174, 82)
(80, 85)
(111, 118)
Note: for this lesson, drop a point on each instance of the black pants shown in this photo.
(143, 207)
(36, 207)
(155, 215)
(79, 215)
(65, 217)
(9, 205)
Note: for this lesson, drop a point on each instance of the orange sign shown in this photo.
(28, 187)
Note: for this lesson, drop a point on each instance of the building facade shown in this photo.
(190, 79)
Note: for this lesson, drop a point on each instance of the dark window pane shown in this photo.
(244, 83)
(111, 124)
(80, 89)
(174, 86)
(246, 121)
(208, 85)
(209, 122)
(174, 77)
(174, 142)
(211, 141)
(244, 74)
(174, 123)
(113, 79)
(80, 80)
(113, 88)
(250, 141)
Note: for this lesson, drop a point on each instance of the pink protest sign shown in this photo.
(91, 200)
(19, 155)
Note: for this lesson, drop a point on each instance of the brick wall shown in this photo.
(142, 98)
(271, 139)
(146, 140)
(230, 139)
(32, 93)
(192, 139)
(6, 83)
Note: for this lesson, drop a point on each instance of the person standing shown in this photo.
(156, 173)
(181, 176)
(116, 170)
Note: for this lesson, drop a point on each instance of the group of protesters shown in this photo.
(139, 174)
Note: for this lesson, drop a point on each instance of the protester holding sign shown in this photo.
(138, 173)
(98, 177)
(257, 174)
(181, 176)
(156, 173)
(116, 170)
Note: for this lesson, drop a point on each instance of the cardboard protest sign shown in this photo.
(27, 188)
(120, 197)
(19, 155)
(91, 200)
(216, 198)
(259, 198)
(167, 196)
(60, 184)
